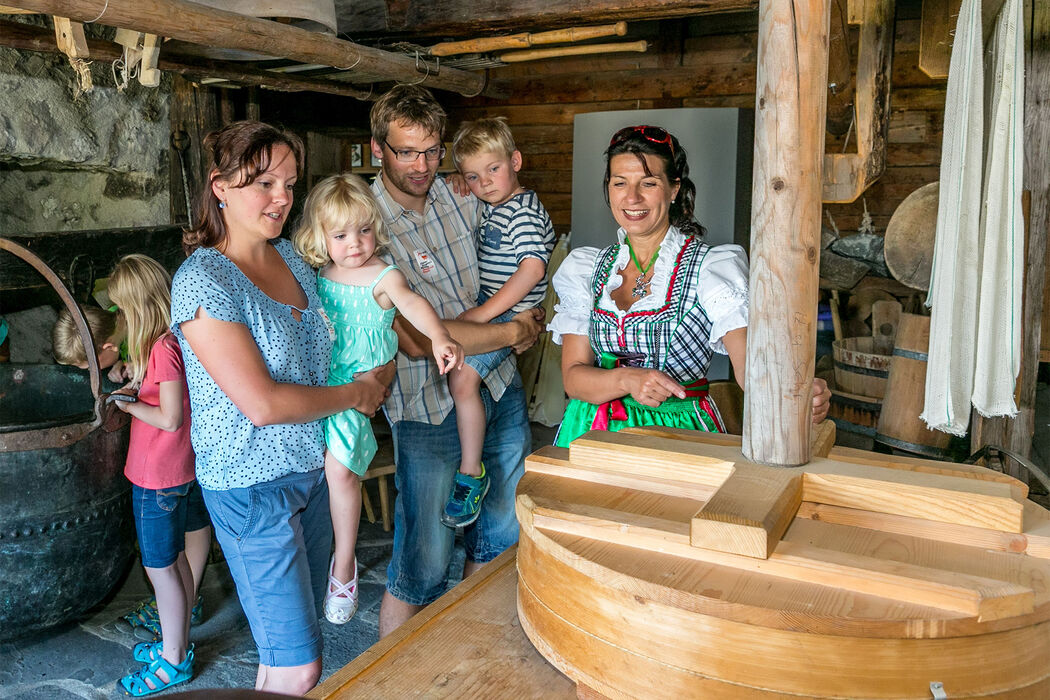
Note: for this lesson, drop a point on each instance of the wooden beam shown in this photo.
(848, 175)
(189, 21)
(70, 38)
(791, 96)
(29, 38)
(936, 31)
(640, 46)
(841, 85)
(749, 512)
(465, 17)
(526, 40)
(104, 247)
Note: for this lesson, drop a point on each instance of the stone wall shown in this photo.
(73, 162)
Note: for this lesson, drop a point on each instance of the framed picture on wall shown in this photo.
(356, 155)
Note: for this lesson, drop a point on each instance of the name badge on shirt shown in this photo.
(423, 261)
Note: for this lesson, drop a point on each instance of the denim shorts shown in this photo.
(162, 519)
(276, 537)
(484, 363)
(427, 457)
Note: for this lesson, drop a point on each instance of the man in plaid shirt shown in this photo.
(432, 231)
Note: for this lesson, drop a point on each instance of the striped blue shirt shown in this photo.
(437, 253)
(517, 229)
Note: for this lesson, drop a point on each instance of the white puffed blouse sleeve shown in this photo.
(722, 291)
(572, 284)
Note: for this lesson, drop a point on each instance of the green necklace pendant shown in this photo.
(644, 281)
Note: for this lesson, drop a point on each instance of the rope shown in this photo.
(104, 8)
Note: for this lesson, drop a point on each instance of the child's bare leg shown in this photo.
(465, 386)
(173, 586)
(198, 547)
(344, 497)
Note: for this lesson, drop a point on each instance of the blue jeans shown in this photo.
(427, 458)
(162, 519)
(276, 537)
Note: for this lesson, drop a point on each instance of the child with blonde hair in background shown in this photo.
(107, 330)
(170, 517)
(342, 233)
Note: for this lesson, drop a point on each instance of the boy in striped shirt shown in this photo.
(515, 240)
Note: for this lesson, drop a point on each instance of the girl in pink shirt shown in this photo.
(170, 517)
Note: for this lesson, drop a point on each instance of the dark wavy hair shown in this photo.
(239, 153)
(676, 168)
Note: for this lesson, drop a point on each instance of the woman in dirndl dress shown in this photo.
(640, 320)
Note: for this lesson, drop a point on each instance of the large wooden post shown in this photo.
(790, 106)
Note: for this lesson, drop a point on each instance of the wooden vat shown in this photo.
(668, 567)
(858, 368)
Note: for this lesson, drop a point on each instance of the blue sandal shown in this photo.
(137, 684)
(145, 652)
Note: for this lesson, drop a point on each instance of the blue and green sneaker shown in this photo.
(464, 503)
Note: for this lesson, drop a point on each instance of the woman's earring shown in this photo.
(222, 204)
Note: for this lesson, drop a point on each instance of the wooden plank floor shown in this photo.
(466, 644)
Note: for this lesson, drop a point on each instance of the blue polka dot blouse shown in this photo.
(231, 451)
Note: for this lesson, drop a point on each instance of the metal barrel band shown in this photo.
(872, 405)
(846, 426)
(910, 354)
(934, 452)
(861, 370)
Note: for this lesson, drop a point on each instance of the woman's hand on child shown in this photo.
(370, 392)
(448, 353)
(651, 387)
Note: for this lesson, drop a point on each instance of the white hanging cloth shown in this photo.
(975, 289)
(954, 278)
(1002, 224)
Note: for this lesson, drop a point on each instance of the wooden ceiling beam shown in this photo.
(466, 17)
(29, 38)
(198, 24)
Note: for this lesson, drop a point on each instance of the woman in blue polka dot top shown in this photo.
(257, 350)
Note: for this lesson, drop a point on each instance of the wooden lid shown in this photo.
(910, 237)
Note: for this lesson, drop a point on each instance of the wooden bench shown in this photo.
(468, 642)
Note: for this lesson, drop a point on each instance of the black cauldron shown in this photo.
(66, 533)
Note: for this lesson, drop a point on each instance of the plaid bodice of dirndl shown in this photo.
(673, 337)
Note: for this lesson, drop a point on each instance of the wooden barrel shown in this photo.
(854, 413)
(858, 368)
(872, 577)
(899, 424)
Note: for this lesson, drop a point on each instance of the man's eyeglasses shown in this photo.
(410, 155)
(649, 133)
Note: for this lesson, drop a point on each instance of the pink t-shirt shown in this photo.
(158, 459)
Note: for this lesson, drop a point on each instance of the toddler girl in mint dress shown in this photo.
(341, 232)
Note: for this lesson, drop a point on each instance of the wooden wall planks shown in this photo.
(697, 64)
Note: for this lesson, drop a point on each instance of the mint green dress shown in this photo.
(364, 340)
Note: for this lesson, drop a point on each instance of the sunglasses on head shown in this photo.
(649, 133)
